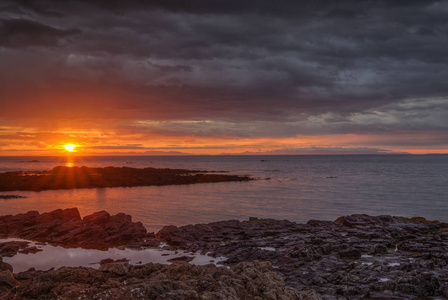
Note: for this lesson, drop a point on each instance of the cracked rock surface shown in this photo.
(247, 280)
(354, 257)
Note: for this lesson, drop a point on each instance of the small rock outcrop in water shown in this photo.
(66, 228)
(7, 197)
(9, 249)
(84, 177)
(179, 281)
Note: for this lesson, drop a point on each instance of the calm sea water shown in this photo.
(300, 188)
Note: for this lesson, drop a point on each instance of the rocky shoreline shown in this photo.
(85, 177)
(66, 228)
(354, 257)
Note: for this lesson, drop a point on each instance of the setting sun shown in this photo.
(70, 148)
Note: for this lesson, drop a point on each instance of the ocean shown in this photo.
(297, 188)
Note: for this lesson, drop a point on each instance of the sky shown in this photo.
(223, 77)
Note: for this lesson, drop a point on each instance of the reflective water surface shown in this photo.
(300, 188)
(56, 257)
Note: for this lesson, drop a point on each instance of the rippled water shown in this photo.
(300, 188)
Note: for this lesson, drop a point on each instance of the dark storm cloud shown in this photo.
(21, 33)
(305, 67)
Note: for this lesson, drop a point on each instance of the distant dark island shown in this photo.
(7, 197)
(85, 177)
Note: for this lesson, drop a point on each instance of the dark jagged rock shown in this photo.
(9, 249)
(246, 281)
(66, 228)
(5, 266)
(357, 256)
(8, 283)
(84, 177)
(350, 254)
(181, 258)
(28, 250)
(110, 260)
(117, 268)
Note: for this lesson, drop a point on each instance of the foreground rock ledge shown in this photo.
(66, 228)
(248, 280)
(84, 177)
(354, 257)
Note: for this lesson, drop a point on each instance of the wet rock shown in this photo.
(380, 249)
(327, 256)
(260, 281)
(249, 280)
(5, 266)
(118, 268)
(171, 235)
(7, 282)
(150, 235)
(181, 258)
(65, 215)
(98, 218)
(318, 223)
(110, 260)
(106, 261)
(309, 295)
(404, 258)
(65, 227)
(62, 283)
(350, 254)
(28, 250)
(9, 249)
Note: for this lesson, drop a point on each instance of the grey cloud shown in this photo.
(410, 138)
(418, 115)
(130, 147)
(321, 151)
(314, 67)
(18, 33)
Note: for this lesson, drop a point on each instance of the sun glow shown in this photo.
(70, 148)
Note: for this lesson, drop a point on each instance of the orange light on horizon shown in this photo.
(70, 147)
